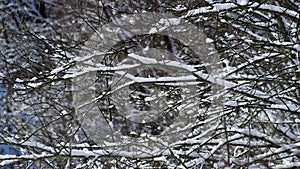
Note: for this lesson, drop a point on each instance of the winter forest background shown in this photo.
(255, 118)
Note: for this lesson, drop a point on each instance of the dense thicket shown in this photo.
(248, 118)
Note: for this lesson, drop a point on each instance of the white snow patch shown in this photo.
(163, 158)
(19, 80)
(64, 112)
(208, 40)
(291, 107)
(297, 47)
(55, 71)
(231, 103)
(179, 8)
(170, 21)
(242, 2)
(34, 85)
(153, 30)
